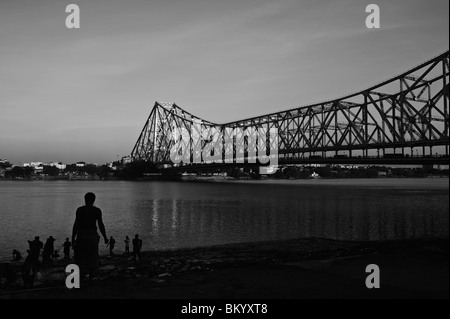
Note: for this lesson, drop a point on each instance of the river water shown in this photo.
(170, 215)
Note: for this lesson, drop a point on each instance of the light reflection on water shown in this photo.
(176, 214)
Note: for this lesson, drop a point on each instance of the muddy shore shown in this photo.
(311, 268)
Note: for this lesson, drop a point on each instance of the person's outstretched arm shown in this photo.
(102, 229)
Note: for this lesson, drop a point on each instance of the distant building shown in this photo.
(58, 165)
(126, 159)
(80, 164)
(39, 169)
(318, 165)
(35, 165)
(112, 165)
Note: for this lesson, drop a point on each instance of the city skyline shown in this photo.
(83, 95)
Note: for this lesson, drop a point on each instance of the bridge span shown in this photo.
(403, 120)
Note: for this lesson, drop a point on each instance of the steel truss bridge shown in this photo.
(403, 120)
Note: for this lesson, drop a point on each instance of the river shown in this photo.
(170, 215)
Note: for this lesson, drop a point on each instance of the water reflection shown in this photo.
(355, 214)
(155, 218)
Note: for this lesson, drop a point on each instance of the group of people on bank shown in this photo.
(137, 246)
(85, 243)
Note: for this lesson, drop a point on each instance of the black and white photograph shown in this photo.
(220, 158)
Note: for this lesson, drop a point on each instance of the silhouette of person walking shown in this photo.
(17, 256)
(112, 243)
(137, 246)
(85, 239)
(67, 244)
(127, 245)
(47, 253)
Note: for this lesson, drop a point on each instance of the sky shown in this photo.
(84, 94)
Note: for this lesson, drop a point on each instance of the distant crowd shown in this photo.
(40, 254)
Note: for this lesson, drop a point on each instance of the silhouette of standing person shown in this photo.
(29, 271)
(35, 250)
(112, 243)
(127, 245)
(85, 238)
(47, 253)
(137, 246)
(67, 244)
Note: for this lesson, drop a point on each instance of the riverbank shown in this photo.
(290, 269)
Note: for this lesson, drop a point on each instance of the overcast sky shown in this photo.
(84, 94)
